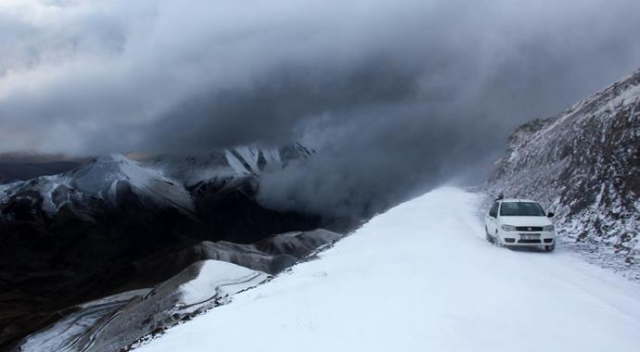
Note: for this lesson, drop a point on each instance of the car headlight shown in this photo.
(508, 228)
(549, 228)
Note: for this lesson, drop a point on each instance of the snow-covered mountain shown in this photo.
(104, 182)
(115, 224)
(221, 166)
(167, 180)
(584, 164)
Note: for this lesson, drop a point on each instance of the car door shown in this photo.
(492, 218)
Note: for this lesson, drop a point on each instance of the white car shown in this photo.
(520, 222)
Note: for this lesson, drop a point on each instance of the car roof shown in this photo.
(517, 200)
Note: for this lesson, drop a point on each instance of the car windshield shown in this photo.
(521, 209)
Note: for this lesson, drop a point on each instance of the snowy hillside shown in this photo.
(116, 224)
(213, 272)
(584, 164)
(422, 278)
(109, 323)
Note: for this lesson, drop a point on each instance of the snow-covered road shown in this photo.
(422, 278)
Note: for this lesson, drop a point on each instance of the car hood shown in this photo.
(525, 220)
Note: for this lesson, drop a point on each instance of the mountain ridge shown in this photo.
(96, 229)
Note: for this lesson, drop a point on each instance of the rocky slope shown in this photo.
(213, 273)
(584, 164)
(115, 225)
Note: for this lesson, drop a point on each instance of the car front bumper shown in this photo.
(527, 239)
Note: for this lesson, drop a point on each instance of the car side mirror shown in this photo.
(550, 215)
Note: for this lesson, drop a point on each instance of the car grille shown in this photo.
(528, 241)
(529, 228)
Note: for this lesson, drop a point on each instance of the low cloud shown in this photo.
(389, 92)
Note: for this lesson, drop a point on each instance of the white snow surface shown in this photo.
(250, 155)
(421, 277)
(217, 279)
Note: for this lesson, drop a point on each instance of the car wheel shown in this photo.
(496, 240)
(550, 248)
(488, 236)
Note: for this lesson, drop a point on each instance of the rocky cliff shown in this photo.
(584, 164)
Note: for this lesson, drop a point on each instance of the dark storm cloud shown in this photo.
(395, 95)
(272, 108)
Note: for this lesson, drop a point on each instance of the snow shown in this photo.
(48, 185)
(119, 297)
(104, 175)
(3, 191)
(100, 179)
(217, 279)
(235, 163)
(98, 324)
(626, 97)
(250, 156)
(272, 157)
(421, 277)
(164, 179)
(115, 168)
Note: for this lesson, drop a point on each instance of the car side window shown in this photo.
(494, 210)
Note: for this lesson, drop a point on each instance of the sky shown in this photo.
(423, 91)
